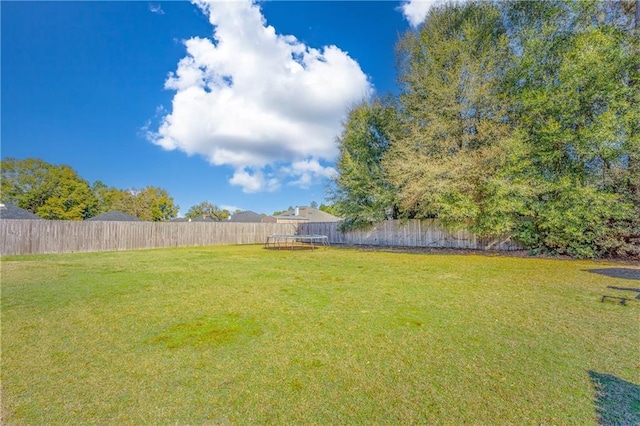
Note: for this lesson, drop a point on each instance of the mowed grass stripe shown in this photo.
(244, 335)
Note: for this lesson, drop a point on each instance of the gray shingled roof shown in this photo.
(179, 219)
(115, 216)
(197, 219)
(246, 216)
(308, 213)
(204, 219)
(9, 211)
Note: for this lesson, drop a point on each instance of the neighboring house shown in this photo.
(306, 214)
(180, 219)
(9, 211)
(269, 219)
(205, 219)
(246, 217)
(115, 216)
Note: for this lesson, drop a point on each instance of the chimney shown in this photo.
(297, 212)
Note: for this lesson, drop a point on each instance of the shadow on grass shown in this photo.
(625, 273)
(617, 401)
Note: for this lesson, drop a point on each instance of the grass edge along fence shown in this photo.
(411, 233)
(59, 236)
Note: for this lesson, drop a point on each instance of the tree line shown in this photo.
(514, 118)
(57, 192)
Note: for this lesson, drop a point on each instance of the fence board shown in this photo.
(53, 236)
(412, 233)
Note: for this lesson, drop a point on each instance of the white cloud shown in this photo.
(254, 180)
(308, 171)
(264, 103)
(156, 8)
(415, 11)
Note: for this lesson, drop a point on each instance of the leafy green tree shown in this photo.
(100, 190)
(72, 198)
(26, 183)
(109, 197)
(516, 118)
(576, 220)
(573, 97)
(361, 192)
(328, 208)
(51, 192)
(452, 156)
(576, 101)
(150, 203)
(209, 209)
(161, 205)
(279, 212)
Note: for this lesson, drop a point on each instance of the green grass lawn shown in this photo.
(243, 335)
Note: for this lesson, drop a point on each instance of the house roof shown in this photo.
(197, 219)
(245, 216)
(309, 214)
(9, 211)
(292, 217)
(115, 215)
(205, 219)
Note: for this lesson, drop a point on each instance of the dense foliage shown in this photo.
(58, 193)
(207, 209)
(515, 118)
(362, 192)
(51, 192)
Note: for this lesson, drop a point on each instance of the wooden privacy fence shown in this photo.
(412, 233)
(54, 236)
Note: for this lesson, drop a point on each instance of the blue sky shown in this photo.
(236, 103)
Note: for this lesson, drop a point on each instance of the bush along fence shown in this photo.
(53, 236)
(411, 233)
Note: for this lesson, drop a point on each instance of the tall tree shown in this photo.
(207, 209)
(71, 199)
(456, 144)
(328, 208)
(150, 203)
(574, 88)
(516, 118)
(278, 212)
(361, 192)
(51, 192)
(26, 183)
(109, 197)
